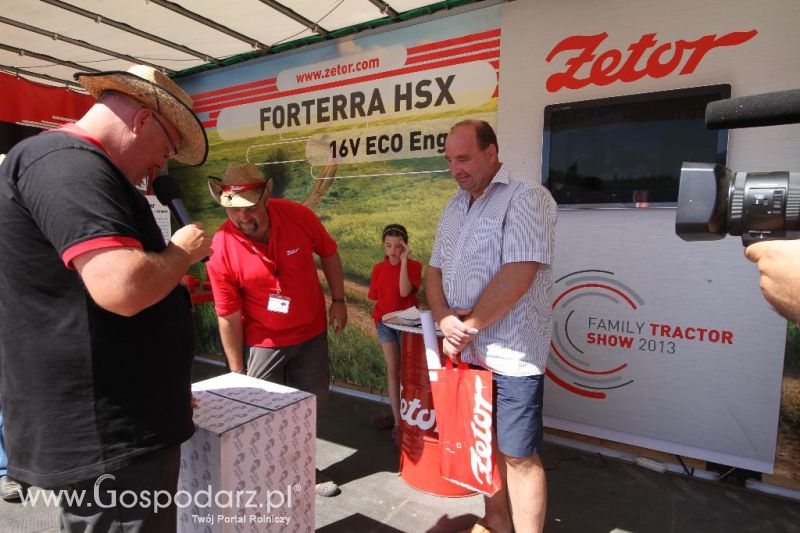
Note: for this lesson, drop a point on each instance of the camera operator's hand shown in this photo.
(779, 265)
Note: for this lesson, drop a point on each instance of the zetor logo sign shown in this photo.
(645, 57)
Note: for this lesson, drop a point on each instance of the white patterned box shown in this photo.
(250, 464)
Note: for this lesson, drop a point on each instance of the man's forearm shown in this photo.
(501, 293)
(127, 280)
(334, 275)
(434, 293)
(232, 336)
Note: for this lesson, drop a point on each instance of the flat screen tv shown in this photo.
(627, 151)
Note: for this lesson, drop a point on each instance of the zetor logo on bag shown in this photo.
(481, 450)
(462, 398)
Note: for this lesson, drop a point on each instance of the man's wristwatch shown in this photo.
(338, 300)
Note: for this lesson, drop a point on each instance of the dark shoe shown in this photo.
(10, 489)
(383, 421)
(326, 487)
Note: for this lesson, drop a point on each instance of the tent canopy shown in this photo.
(47, 41)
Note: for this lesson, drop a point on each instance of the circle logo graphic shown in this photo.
(594, 328)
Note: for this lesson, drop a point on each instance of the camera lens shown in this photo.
(703, 202)
(714, 202)
(765, 203)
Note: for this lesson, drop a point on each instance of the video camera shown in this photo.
(714, 201)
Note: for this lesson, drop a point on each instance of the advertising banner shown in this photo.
(386, 97)
(669, 351)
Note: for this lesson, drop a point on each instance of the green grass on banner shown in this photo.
(357, 359)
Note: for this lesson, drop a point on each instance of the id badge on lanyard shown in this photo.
(278, 303)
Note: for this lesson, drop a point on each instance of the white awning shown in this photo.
(47, 41)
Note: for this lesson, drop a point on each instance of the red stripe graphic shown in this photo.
(596, 286)
(238, 96)
(453, 51)
(368, 77)
(234, 88)
(573, 389)
(490, 34)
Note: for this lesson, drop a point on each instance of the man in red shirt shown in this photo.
(267, 294)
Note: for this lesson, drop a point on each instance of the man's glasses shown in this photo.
(166, 133)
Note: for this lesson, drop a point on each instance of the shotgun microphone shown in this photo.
(767, 109)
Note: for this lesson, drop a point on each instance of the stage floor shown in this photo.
(587, 492)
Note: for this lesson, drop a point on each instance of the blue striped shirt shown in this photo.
(512, 221)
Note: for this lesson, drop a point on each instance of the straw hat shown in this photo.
(241, 186)
(158, 92)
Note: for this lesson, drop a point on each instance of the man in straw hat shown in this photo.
(267, 294)
(96, 333)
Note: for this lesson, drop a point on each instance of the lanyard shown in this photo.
(76, 131)
(272, 266)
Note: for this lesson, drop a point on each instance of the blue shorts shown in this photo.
(387, 334)
(518, 414)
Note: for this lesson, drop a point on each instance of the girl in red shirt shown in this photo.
(393, 284)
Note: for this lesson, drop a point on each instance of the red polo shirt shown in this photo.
(242, 280)
(384, 286)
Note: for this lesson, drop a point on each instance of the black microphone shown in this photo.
(169, 194)
(767, 109)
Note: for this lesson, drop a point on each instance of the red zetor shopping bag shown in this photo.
(462, 398)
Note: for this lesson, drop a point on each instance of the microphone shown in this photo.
(169, 194)
(767, 109)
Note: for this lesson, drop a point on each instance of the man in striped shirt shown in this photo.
(488, 286)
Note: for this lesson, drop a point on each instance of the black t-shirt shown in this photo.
(84, 391)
